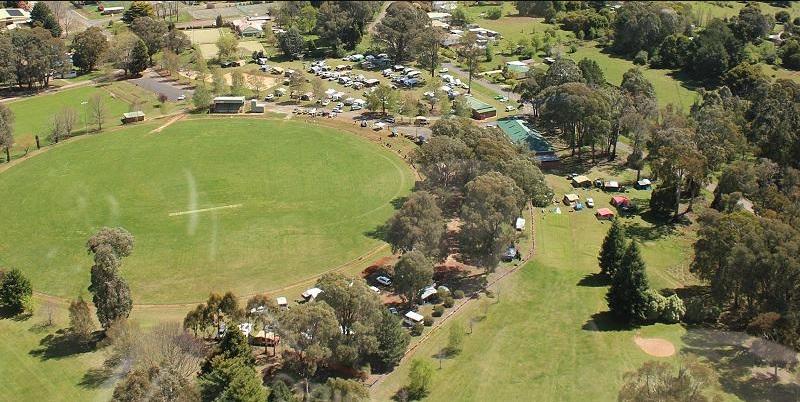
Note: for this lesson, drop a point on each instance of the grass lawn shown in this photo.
(90, 10)
(547, 335)
(668, 89)
(301, 200)
(34, 369)
(33, 115)
(207, 35)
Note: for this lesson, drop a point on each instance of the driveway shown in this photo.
(160, 85)
(494, 87)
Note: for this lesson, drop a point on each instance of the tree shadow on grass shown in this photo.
(60, 344)
(398, 202)
(378, 233)
(649, 233)
(730, 357)
(595, 280)
(96, 377)
(604, 322)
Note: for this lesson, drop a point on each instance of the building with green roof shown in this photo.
(519, 133)
(480, 110)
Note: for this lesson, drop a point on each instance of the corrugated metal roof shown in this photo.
(129, 115)
(479, 106)
(519, 133)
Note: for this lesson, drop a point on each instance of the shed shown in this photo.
(282, 303)
(604, 213)
(412, 318)
(256, 106)
(611, 186)
(517, 67)
(228, 104)
(519, 224)
(480, 110)
(581, 181)
(131, 117)
(620, 201)
(519, 132)
(644, 184)
(311, 294)
(570, 199)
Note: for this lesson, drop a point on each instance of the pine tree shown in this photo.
(139, 58)
(15, 291)
(231, 379)
(627, 296)
(392, 339)
(233, 346)
(613, 249)
(281, 393)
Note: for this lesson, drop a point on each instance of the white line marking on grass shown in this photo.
(197, 211)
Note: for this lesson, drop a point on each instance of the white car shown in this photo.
(444, 70)
(181, 97)
(384, 280)
(590, 203)
(269, 97)
(374, 289)
(510, 108)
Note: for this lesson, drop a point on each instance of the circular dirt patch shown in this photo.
(655, 346)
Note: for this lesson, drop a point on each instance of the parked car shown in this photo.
(394, 311)
(384, 280)
(374, 289)
(389, 119)
(444, 70)
(181, 97)
(355, 107)
(590, 202)
(363, 123)
(510, 108)
(269, 97)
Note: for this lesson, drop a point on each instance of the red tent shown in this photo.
(620, 201)
(604, 213)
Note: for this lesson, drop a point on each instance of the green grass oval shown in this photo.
(298, 201)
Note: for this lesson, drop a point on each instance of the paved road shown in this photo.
(85, 23)
(159, 85)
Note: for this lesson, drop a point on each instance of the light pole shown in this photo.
(85, 119)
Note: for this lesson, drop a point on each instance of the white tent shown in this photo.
(311, 294)
(428, 292)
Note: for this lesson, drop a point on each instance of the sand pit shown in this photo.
(655, 346)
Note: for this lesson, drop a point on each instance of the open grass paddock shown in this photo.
(242, 204)
(33, 115)
(547, 335)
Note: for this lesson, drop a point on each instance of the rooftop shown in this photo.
(479, 106)
(519, 133)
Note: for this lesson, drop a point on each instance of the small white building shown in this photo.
(282, 303)
(412, 318)
(519, 224)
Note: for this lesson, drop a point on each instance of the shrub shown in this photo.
(448, 302)
(442, 292)
(416, 329)
(700, 309)
(655, 305)
(438, 310)
(494, 13)
(428, 321)
(640, 58)
(458, 294)
(674, 310)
